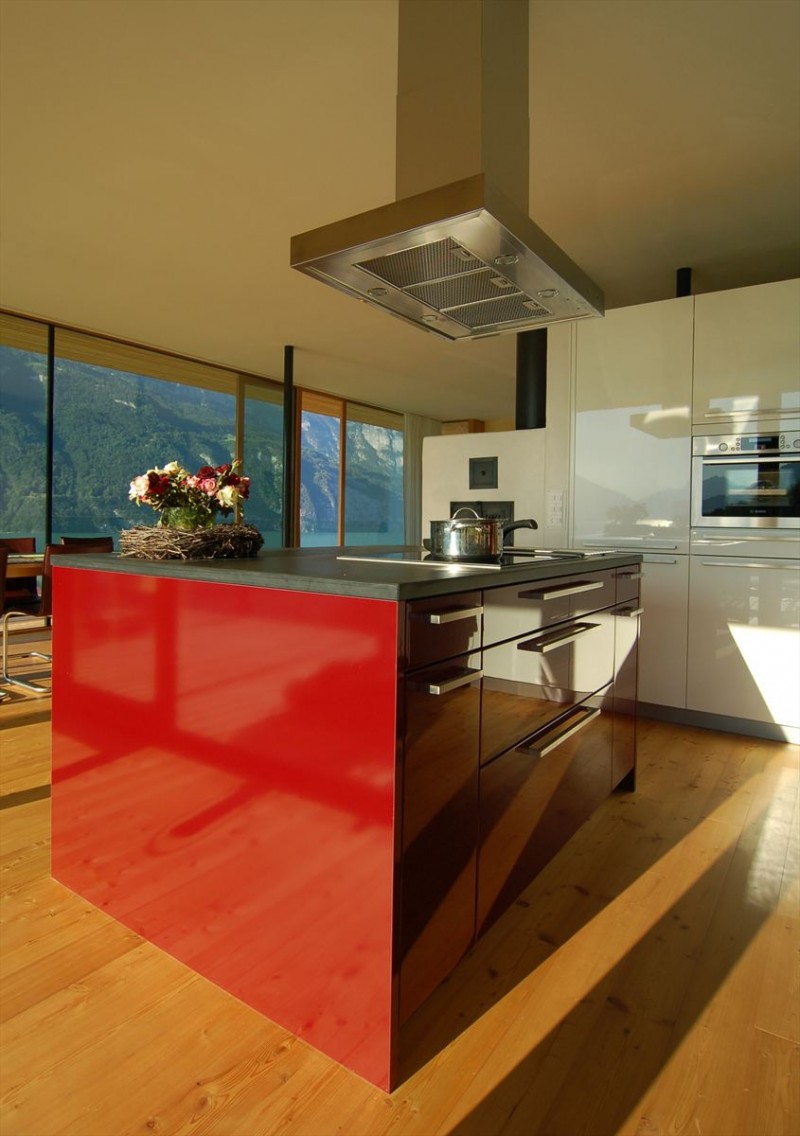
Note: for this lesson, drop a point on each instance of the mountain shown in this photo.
(109, 426)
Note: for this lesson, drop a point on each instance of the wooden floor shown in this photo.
(646, 984)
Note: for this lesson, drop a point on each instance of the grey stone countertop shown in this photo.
(319, 570)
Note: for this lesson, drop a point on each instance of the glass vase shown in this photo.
(186, 517)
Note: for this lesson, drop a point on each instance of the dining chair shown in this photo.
(3, 565)
(22, 592)
(88, 543)
(45, 608)
(7, 679)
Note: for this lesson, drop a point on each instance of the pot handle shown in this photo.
(529, 524)
(466, 509)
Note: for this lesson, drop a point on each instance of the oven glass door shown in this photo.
(757, 491)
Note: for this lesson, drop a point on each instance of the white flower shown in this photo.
(227, 496)
(139, 487)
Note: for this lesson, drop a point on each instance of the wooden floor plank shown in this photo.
(644, 984)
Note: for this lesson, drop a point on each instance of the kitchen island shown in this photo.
(317, 781)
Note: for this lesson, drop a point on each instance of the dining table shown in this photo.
(21, 564)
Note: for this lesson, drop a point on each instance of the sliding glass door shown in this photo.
(351, 473)
(81, 415)
(23, 428)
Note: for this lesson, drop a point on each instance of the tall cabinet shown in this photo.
(632, 455)
(746, 355)
(719, 631)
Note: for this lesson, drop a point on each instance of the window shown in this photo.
(118, 411)
(23, 428)
(263, 458)
(351, 473)
(373, 477)
(81, 415)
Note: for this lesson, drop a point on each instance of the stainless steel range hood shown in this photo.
(462, 259)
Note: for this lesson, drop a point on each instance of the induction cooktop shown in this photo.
(510, 559)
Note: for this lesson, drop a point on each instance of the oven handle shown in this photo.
(563, 590)
(576, 721)
(448, 616)
(448, 684)
(758, 457)
(551, 640)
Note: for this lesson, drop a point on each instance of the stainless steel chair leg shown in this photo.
(14, 680)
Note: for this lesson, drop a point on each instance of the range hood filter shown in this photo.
(458, 260)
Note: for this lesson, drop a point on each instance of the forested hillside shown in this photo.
(110, 426)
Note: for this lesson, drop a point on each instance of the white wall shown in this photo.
(533, 465)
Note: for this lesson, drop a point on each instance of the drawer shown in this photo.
(534, 797)
(528, 682)
(439, 825)
(520, 608)
(628, 581)
(442, 628)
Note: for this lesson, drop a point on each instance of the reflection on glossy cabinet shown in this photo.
(744, 639)
(623, 695)
(632, 426)
(747, 353)
(665, 625)
(439, 824)
(534, 797)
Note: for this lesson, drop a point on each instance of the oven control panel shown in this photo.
(788, 441)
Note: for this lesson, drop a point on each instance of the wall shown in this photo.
(533, 465)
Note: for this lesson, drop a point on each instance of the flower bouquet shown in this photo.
(188, 505)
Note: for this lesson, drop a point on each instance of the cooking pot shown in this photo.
(472, 537)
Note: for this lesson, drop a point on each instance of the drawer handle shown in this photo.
(633, 612)
(554, 639)
(564, 590)
(632, 575)
(575, 722)
(450, 616)
(781, 564)
(446, 685)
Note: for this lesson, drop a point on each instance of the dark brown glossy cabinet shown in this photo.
(441, 722)
(535, 796)
(517, 720)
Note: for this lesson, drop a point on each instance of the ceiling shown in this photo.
(156, 158)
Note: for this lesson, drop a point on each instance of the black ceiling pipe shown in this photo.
(531, 379)
(683, 282)
(289, 447)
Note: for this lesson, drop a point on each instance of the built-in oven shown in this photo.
(746, 481)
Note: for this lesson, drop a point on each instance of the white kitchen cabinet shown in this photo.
(746, 354)
(632, 427)
(744, 639)
(664, 630)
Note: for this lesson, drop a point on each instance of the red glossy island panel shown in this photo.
(224, 783)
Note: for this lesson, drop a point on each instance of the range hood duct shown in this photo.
(531, 391)
(456, 253)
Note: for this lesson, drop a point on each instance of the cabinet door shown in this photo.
(441, 628)
(623, 701)
(744, 639)
(664, 629)
(632, 426)
(534, 797)
(439, 825)
(747, 353)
